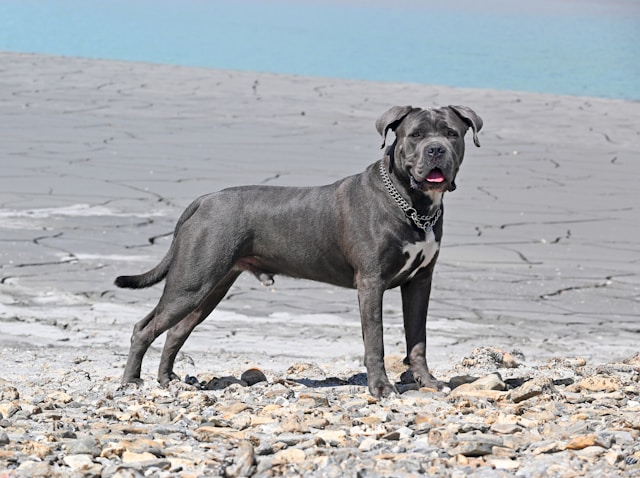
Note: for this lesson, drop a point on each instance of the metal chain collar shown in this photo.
(425, 223)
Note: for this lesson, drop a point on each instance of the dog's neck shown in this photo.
(426, 203)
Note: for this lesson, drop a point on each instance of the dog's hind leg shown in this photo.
(134, 362)
(178, 334)
(184, 299)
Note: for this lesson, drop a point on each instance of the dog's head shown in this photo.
(429, 145)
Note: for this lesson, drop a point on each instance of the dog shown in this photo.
(372, 231)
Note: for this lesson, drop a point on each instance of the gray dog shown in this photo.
(372, 231)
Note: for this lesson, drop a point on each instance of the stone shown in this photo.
(391, 436)
(332, 437)
(291, 439)
(60, 396)
(612, 457)
(375, 430)
(209, 433)
(132, 457)
(253, 376)
(634, 361)
(37, 449)
(470, 390)
(81, 462)
(505, 428)
(84, 446)
(471, 448)
(503, 464)
(230, 410)
(9, 409)
(9, 456)
(279, 391)
(394, 364)
(9, 393)
(241, 422)
(493, 381)
(306, 370)
(355, 404)
(584, 441)
(315, 399)
(424, 422)
(549, 446)
(458, 380)
(369, 444)
(475, 444)
(4, 438)
(243, 461)
(316, 422)
(485, 357)
(294, 424)
(220, 383)
(600, 384)
(30, 468)
(530, 389)
(288, 456)
(504, 451)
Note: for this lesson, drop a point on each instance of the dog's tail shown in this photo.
(147, 279)
(159, 272)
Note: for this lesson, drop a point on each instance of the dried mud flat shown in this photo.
(503, 417)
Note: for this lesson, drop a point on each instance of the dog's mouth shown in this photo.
(435, 180)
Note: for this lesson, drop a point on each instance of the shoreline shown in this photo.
(242, 72)
(479, 90)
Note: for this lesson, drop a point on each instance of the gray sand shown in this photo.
(540, 253)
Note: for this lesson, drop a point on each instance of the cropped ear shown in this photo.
(390, 120)
(471, 119)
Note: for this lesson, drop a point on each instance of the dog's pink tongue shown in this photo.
(435, 176)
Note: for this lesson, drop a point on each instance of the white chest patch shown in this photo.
(418, 255)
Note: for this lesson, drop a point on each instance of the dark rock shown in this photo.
(223, 382)
(253, 376)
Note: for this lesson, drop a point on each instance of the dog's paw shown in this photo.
(131, 383)
(382, 390)
(424, 380)
(166, 379)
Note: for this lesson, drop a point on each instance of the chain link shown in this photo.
(425, 223)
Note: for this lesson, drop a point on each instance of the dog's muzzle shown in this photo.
(435, 180)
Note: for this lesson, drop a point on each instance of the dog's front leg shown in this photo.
(370, 293)
(415, 302)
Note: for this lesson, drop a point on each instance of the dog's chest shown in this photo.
(418, 255)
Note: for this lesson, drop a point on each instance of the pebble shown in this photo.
(600, 384)
(288, 456)
(79, 462)
(33, 469)
(84, 446)
(243, 461)
(532, 388)
(503, 417)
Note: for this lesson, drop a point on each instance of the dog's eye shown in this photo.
(452, 133)
(415, 134)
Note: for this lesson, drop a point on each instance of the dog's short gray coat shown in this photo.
(351, 233)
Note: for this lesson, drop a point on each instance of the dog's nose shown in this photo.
(435, 150)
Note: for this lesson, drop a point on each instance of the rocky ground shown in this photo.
(502, 417)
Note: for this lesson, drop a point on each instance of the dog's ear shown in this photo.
(471, 119)
(390, 120)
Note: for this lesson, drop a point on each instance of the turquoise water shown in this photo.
(576, 47)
